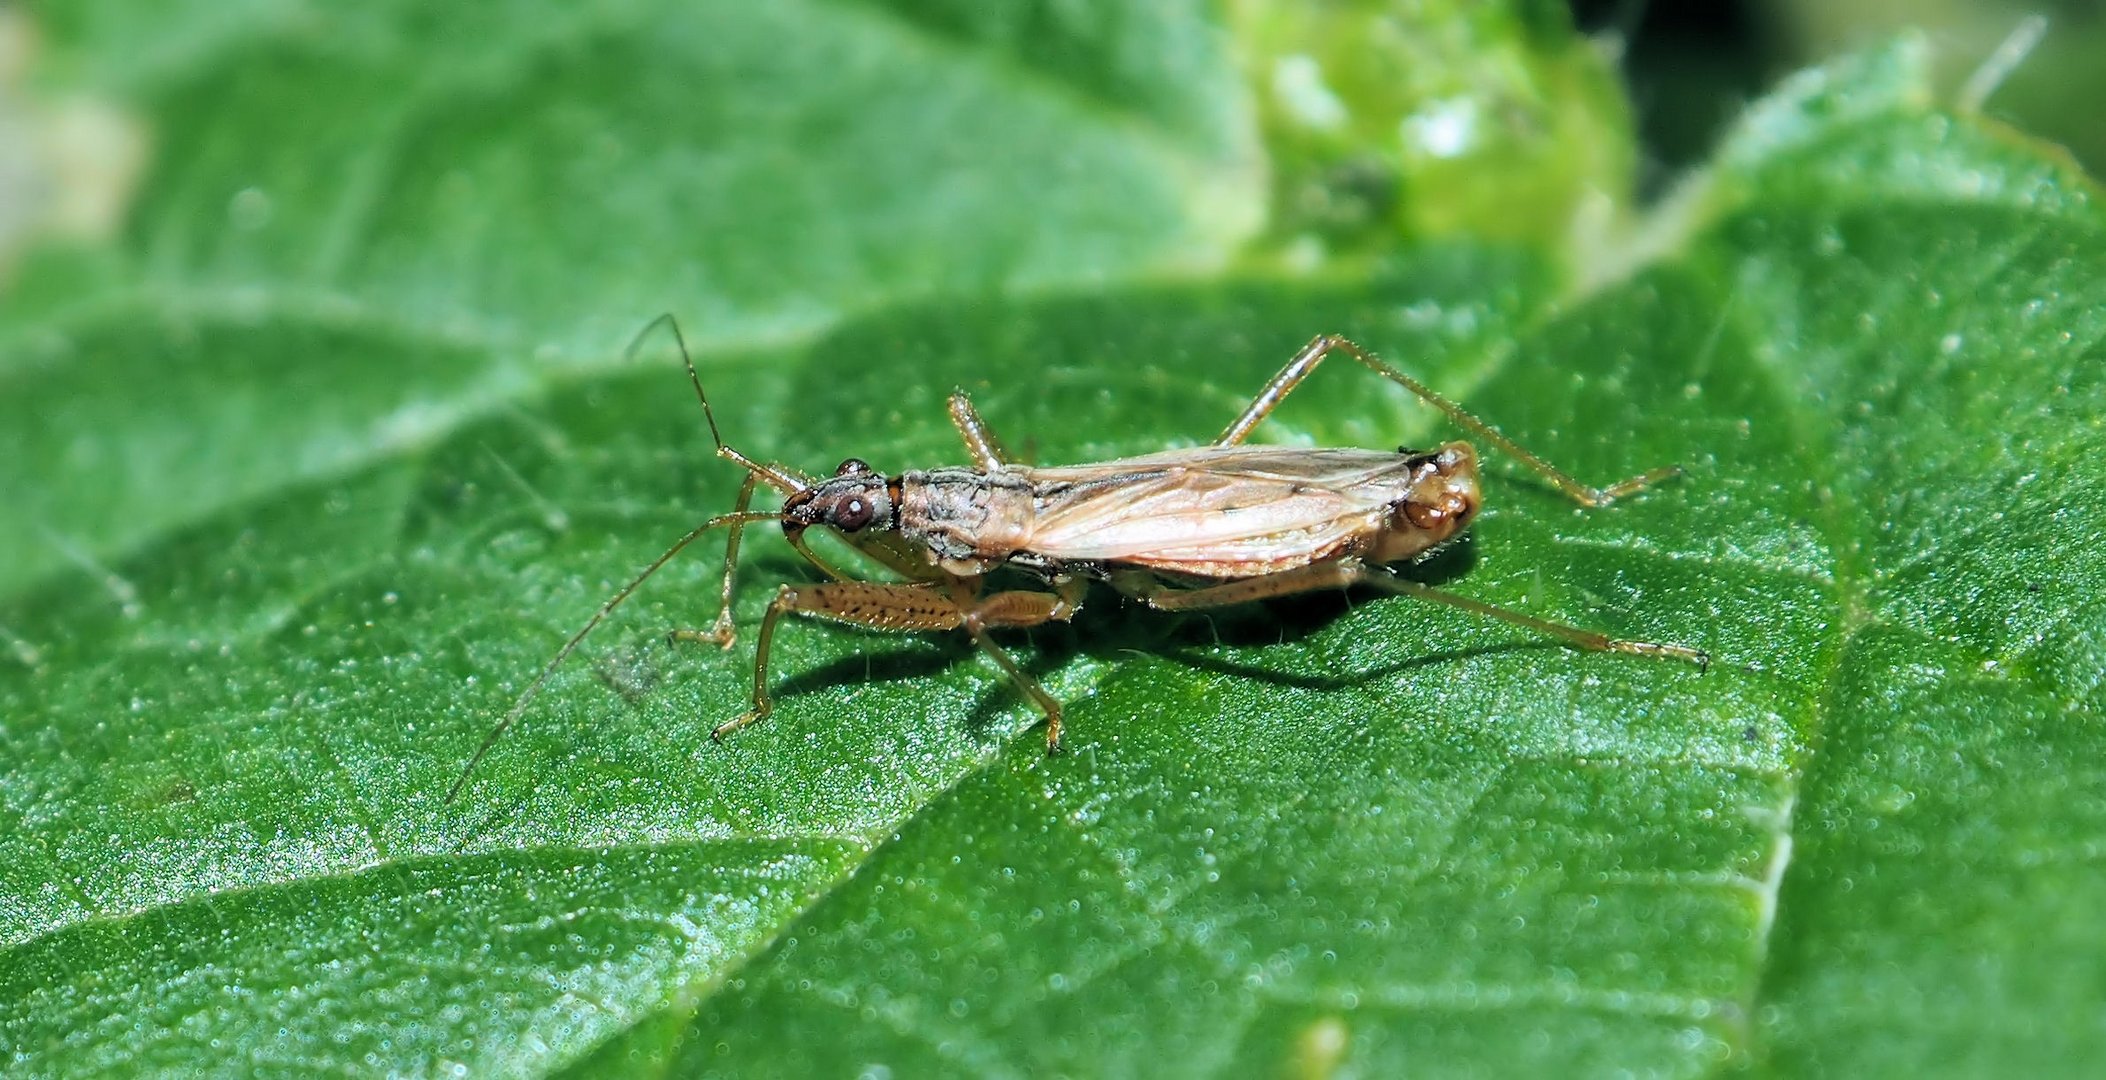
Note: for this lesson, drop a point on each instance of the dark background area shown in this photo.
(1691, 67)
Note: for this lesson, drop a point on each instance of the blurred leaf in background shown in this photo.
(316, 439)
(1391, 124)
(1692, 67)
(2052, 93)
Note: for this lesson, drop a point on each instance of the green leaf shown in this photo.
(1309, 836)
(477, 196)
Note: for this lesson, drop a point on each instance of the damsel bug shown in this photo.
(1179, 530)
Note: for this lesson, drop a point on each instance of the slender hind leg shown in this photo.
(1345, 574)
(908, 608)
(1313, 354)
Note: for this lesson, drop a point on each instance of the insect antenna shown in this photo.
(773, 476)
(786, 482)
(667, 320)
(526, 696)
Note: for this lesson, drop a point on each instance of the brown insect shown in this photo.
(1179, 530)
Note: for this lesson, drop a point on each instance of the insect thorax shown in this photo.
(969, 520)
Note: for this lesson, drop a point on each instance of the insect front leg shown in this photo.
(897, 554)
(909, 608)
(723, 633)
(1347, 573)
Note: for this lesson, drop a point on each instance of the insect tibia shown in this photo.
(1661, 651)
(1313, 353)
(1604, 496)
(722, 635)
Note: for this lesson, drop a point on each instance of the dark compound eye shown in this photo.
(853, 515)
(852, 465)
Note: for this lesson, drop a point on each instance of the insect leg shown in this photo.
(723, 633)
(1578, 492)
(1275, 391)
(876, 605)
(886, 549)
(902, 557)
(980, 440)
(1345, 574)
(526, 696)
(1595, 641)
(1313, 354)
(1022, 609)
(1324, 575)
(908, 608)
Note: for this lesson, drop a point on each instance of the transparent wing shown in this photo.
(1213, 504)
